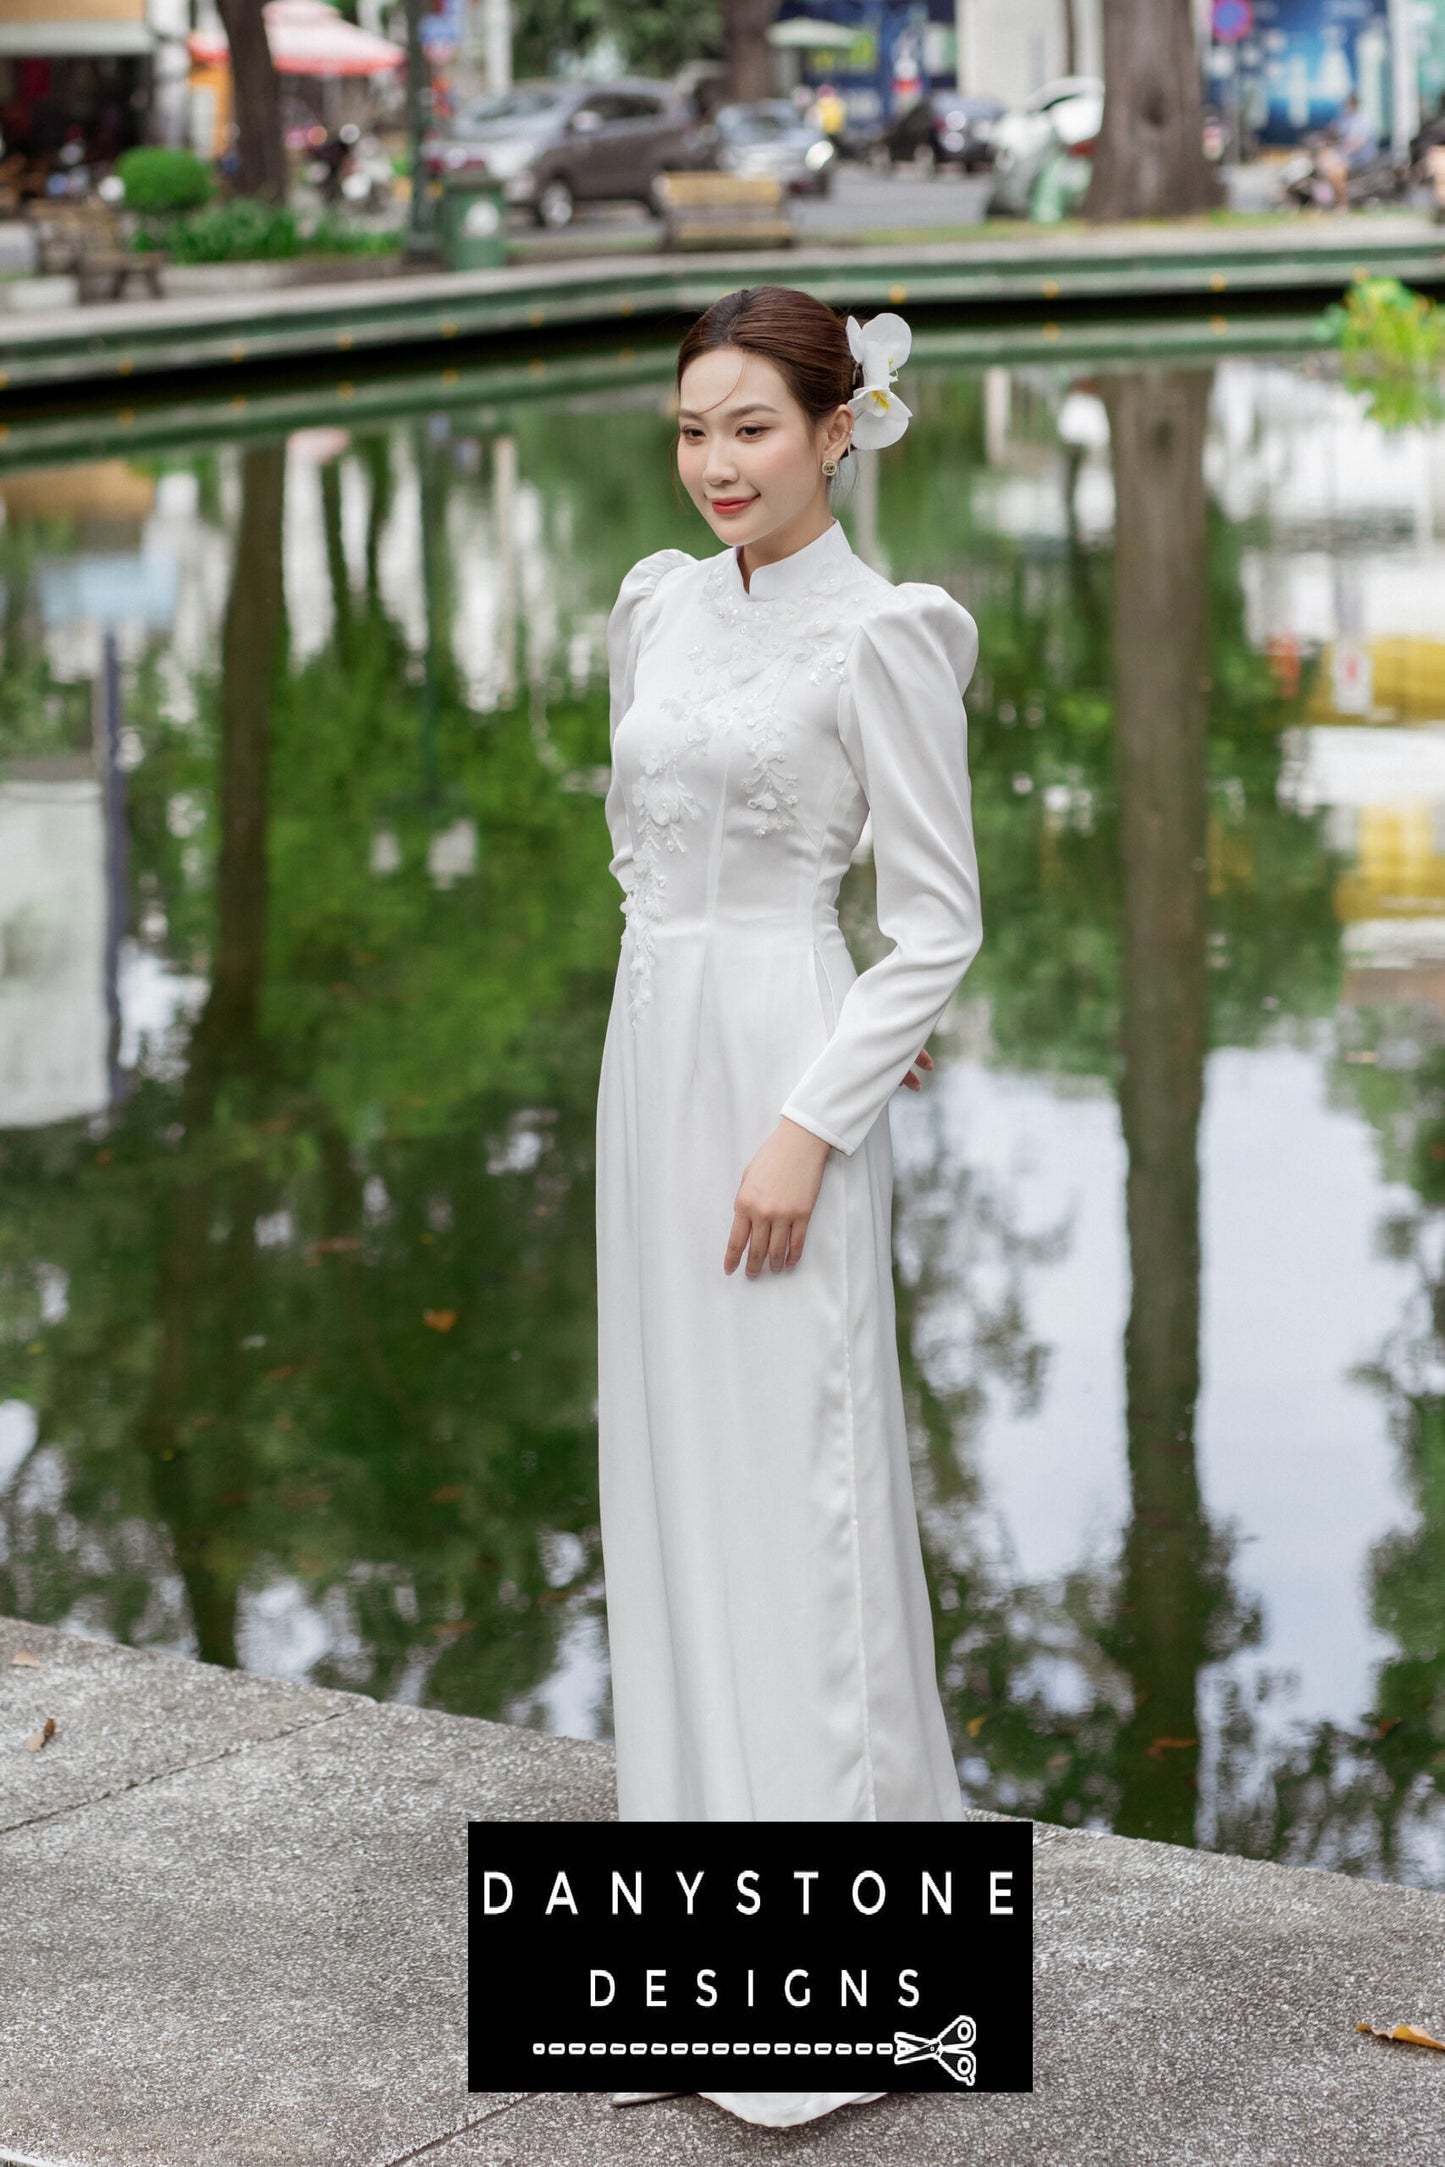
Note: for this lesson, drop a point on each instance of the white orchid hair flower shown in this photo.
(880, 347)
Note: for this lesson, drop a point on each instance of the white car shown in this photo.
(1067, 111)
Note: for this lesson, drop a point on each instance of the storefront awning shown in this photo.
(307, 37)
(811, 36)
(67, 39)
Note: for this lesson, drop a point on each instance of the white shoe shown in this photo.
(634, 2099)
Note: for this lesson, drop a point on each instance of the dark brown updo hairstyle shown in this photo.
(806, 341)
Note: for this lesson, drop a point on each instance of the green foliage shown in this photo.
(543, 31)
(241, 231)
(333, 236)
(161, 183)
(1393, 341)
(245, 230)
(658, 36)
(1385, 318)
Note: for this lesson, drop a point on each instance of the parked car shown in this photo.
(1064, 114)
(939, 129)
(767, 136)
(555, 145)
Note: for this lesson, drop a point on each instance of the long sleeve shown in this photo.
(903, 725)
(624, 629)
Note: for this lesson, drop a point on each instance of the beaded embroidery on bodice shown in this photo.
(752, 645)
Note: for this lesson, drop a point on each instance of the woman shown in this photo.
(771, 1637)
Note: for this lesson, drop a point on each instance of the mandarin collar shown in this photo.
(793, 574)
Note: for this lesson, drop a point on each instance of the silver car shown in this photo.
(555, 145)
(768, 138)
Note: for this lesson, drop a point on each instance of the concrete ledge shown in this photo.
(1139, 264)
(233, 1925)
(491, 384)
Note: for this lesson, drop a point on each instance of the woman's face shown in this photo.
(749, 457)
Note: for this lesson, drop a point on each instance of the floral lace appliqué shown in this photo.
(661, 802)
(739, 676)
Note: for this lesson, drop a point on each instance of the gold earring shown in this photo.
(830, 468)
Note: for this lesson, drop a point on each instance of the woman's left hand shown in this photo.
(911, 1081)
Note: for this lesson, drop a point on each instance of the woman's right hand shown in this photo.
(775, 1199)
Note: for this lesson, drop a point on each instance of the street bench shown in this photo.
(713, 210)
(89, 241)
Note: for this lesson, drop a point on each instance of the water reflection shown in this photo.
(1156, 430)
(307, 947)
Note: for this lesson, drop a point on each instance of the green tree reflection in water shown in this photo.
(306, 1321)
(1101, 938)
(202, 1285)
(1364, 1796)
(1156, 429)
(311, 1265)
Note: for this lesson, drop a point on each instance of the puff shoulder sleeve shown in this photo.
(624, 636)
(903, 725)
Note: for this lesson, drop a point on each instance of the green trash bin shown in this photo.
(1060, 187)
(473, 222)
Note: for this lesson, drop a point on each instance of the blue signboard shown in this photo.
(884, 64)
(1302, 58)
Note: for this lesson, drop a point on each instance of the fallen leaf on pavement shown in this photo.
(1412, 2034)
(38, 1738)
(23, 1655)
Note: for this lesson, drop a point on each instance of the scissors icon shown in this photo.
(949, 2049)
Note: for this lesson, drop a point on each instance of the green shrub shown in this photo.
(244, 230)
(332, 236)
(1393, 343)
(160, 182)
(1385, 318)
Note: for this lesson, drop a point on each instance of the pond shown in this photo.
(306, 950)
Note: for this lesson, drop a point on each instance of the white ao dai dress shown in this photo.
(767, 1615)
(771, 1638)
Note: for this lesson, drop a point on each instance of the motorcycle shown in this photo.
(352, 168)
(368, 178)
(1388, 177)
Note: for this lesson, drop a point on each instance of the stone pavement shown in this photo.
(232, 1934)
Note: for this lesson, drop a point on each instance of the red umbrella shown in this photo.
(308, 38)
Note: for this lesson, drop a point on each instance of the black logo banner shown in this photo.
(691, 1956)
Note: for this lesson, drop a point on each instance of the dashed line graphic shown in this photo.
(717, 2046)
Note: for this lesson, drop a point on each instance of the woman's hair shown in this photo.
(805, 340)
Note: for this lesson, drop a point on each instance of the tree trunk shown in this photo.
(746, 48)
(197, 1278)
(1150, 162)
(1156, 428)
(257, 102)
(252, 643)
